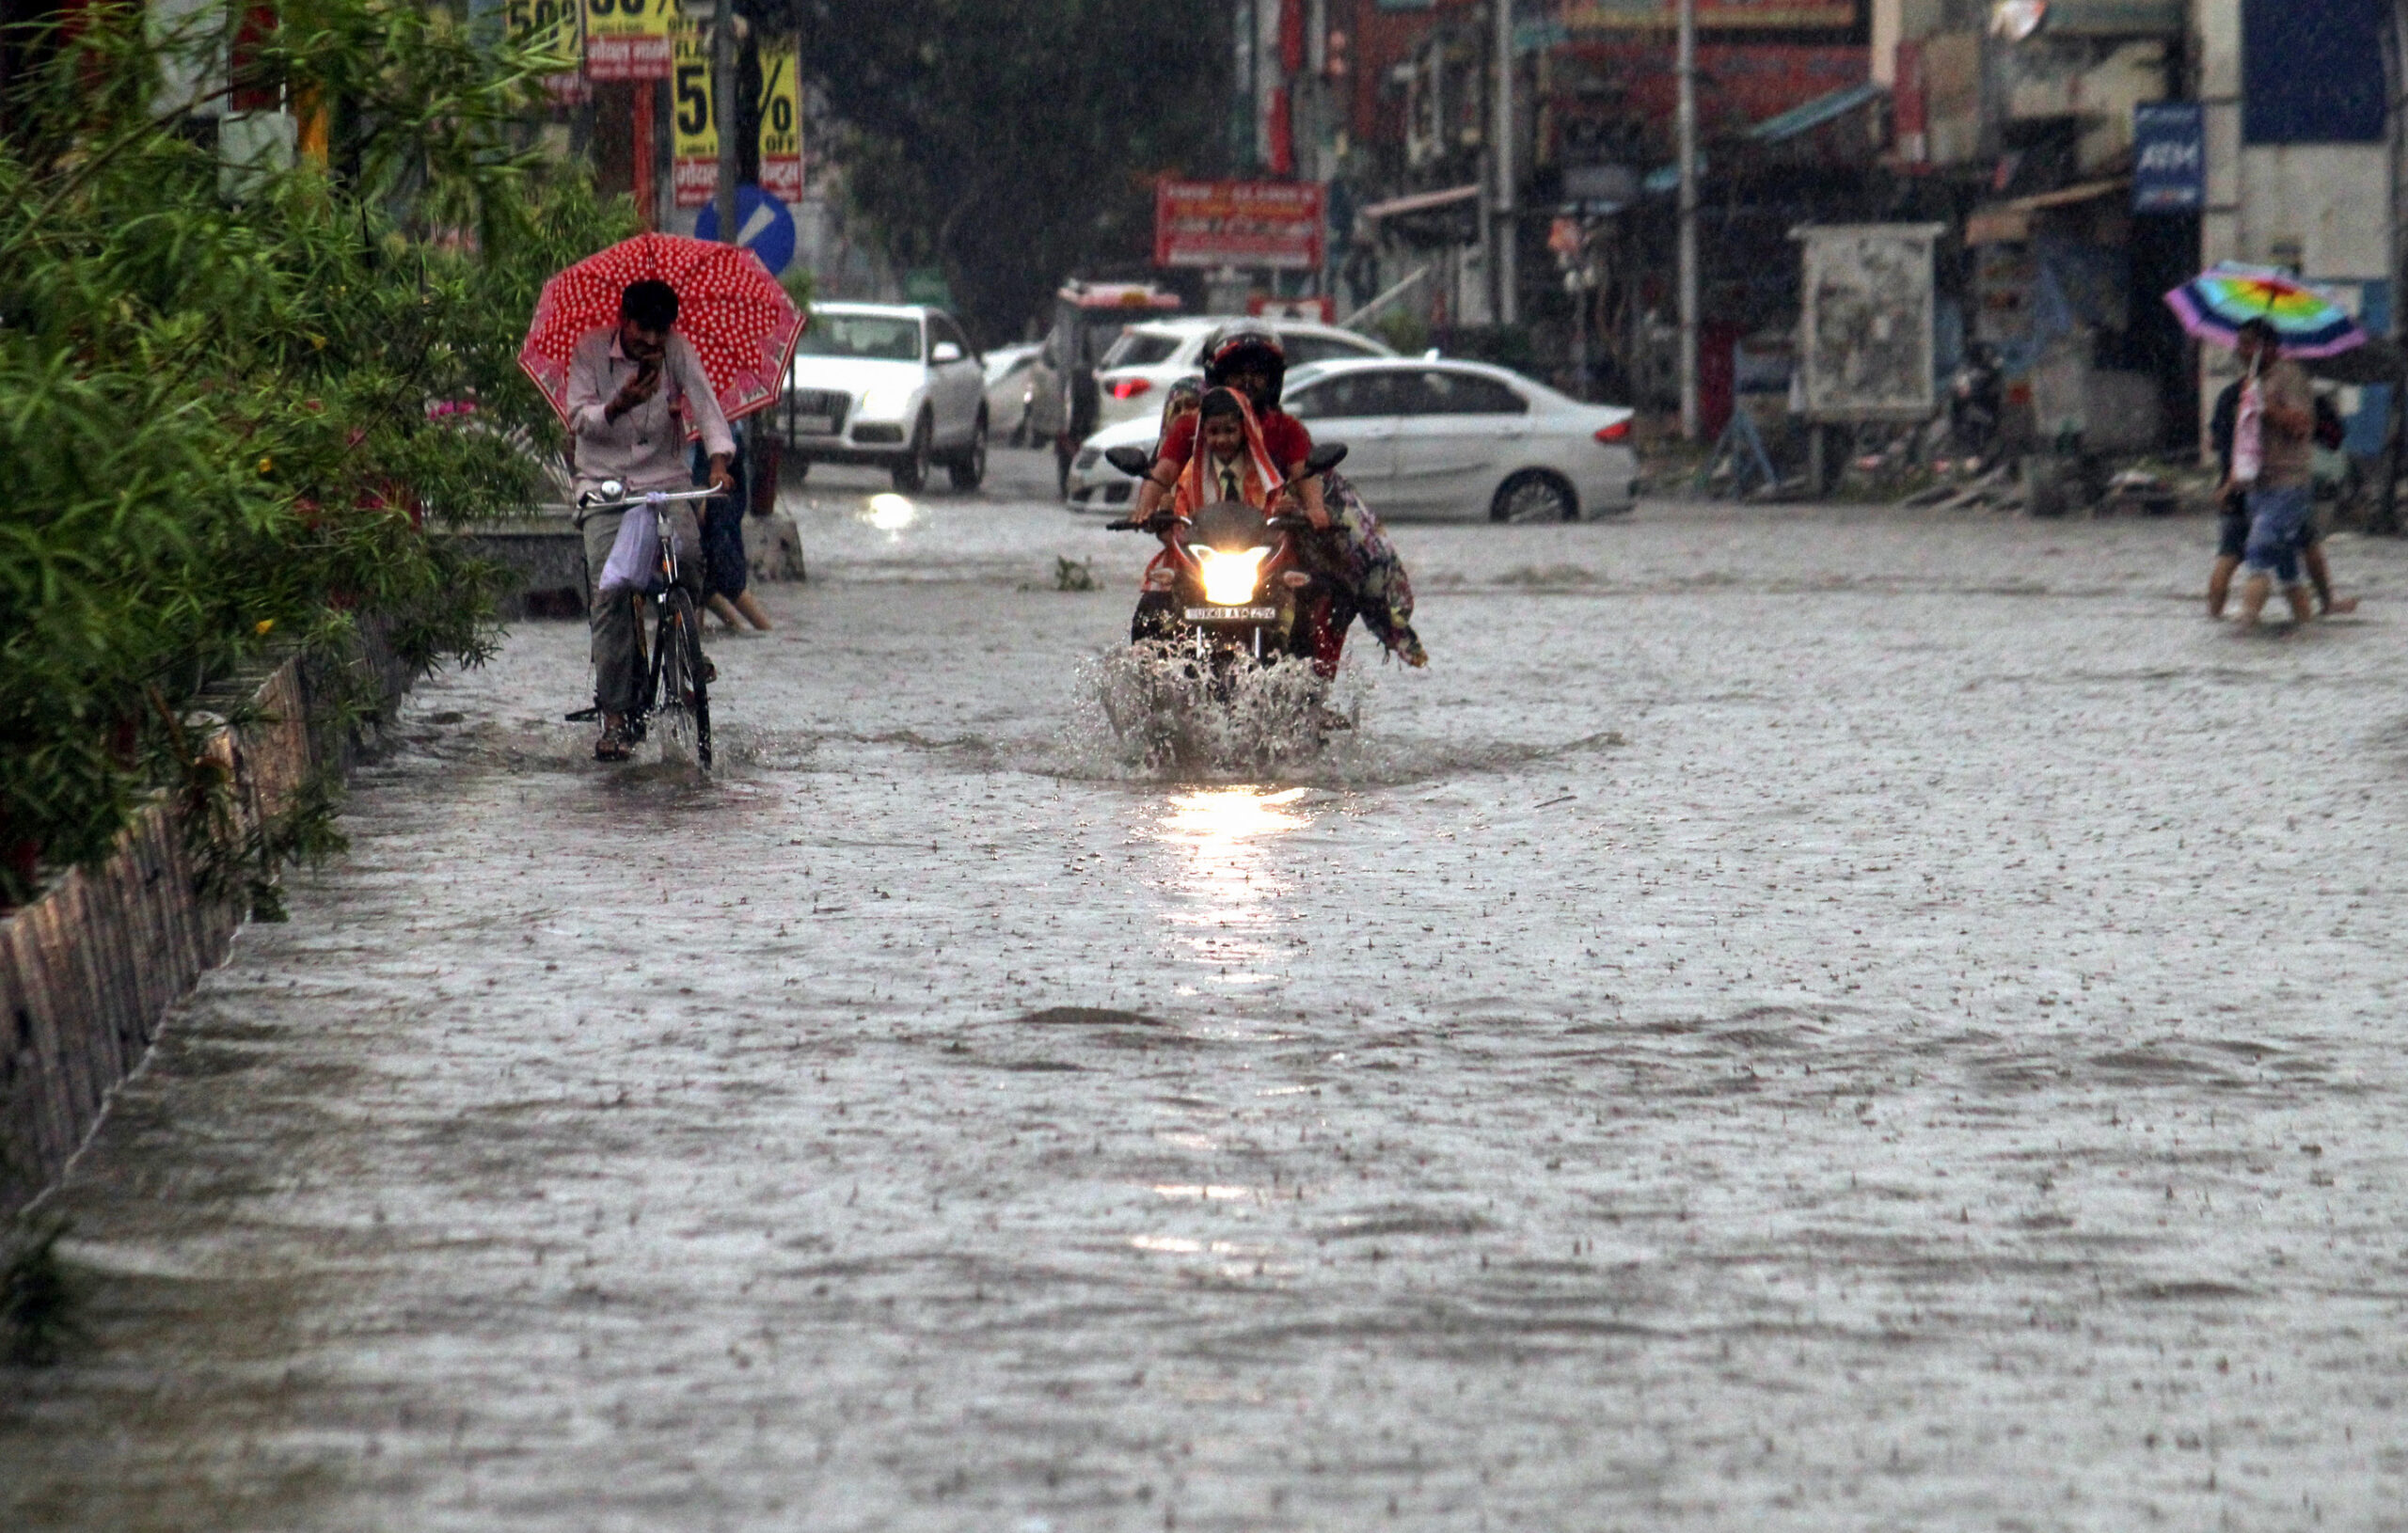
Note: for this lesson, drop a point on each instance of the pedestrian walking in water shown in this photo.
(2273, 463)
(2232, 506)
(727, 572)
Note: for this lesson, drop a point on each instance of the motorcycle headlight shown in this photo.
(1229, 578)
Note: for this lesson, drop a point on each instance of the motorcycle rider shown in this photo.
(1228, 461)
(1246, 357)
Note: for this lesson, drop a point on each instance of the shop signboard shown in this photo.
(628, 39)
(1257, 224)
(2169, 157)
(1712, 15)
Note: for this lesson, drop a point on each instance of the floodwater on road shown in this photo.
(1801, 1018)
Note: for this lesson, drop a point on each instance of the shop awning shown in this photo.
(1805, 118)
(1420, 203)
(2011, 223)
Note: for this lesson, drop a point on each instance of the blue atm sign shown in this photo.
(2169, 157)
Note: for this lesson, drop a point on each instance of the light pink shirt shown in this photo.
(645, 448)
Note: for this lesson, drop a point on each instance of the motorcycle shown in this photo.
(1230, 583)
(1976, 405)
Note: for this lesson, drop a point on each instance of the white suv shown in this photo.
(1150, 358)
(894, 385)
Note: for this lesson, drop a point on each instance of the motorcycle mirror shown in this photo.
(1325, 457)
(1131, 460)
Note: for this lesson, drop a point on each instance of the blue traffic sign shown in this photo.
(763, 226)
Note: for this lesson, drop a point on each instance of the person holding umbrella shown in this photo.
(632, 389)
(641, 349)
(2277, 470)
(2269, 317)
(2232, 512)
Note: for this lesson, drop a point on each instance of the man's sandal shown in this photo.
(612, 746)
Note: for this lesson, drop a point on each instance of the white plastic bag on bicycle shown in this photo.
(634, 563)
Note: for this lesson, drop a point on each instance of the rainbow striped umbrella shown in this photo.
(2214, 304)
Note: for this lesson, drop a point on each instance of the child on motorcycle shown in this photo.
(1227, 461)
(1245, 357)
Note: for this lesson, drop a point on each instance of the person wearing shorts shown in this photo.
(2282, 495)
(2232, 523)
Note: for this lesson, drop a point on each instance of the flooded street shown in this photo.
(1800, 1019)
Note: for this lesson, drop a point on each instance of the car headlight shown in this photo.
(888, 402)
(1228, 577)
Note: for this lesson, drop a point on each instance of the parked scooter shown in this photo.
(1227, 587)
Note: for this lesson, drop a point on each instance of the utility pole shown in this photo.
(1502, 260)
(725, 113)
(1691, 421)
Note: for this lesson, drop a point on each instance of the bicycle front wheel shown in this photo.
(684, 697)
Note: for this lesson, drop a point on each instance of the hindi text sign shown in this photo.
(628, 39)
(1278, 225)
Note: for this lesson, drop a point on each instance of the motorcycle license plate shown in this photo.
(1232, 614)
(815, 425)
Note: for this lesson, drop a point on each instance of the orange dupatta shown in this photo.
(1259, 476)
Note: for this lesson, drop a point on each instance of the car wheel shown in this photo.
(970, 469)
(912, 470)
(1534, 497)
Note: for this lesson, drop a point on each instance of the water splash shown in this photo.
(1150, 710)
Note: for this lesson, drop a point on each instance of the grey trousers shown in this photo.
(618, 674)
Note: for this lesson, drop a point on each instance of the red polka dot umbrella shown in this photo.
(740, 322)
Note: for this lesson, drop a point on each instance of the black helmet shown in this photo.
(1247, 342)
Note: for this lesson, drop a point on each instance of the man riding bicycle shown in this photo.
(635, 390)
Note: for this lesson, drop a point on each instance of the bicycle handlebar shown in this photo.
(647, 498)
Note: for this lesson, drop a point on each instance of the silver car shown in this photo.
(1008, 389)
(1433, 438)
(1430, 439)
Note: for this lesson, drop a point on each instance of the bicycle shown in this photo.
(677, 677)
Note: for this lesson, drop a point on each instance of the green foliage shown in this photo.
(214, 423)
(1011, 143)
(1403, 330)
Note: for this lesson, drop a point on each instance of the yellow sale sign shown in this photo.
(781, 120)
(628, 39)
(693, 131)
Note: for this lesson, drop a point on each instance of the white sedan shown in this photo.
(1150, 358)
(1430, 439)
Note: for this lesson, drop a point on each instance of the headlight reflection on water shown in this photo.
(890, 513)
(1231, 874)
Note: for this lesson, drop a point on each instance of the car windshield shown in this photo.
(877, 337)
(1141, 349)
